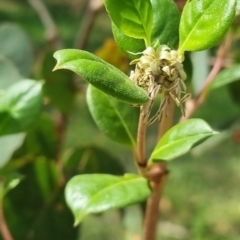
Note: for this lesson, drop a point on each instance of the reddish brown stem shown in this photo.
(141, 135)
(93, 9)
(152, 213)
(157, 176)
(61, 124)
(49, 24)
(193, 104)
(3, 225)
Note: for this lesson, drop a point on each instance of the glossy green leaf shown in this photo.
(166, 18)
(94, 193)
(20, 106)
(116, 119)
(9, 74)
(227, 76)
(101, 74)
(204, 23)
(128, 45)
(91, 159)
(16, 46)
(133, 18)
(180, 139)
(8, 145)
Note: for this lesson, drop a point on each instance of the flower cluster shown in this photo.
(161, 71)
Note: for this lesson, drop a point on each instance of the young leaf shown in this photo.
(101, 74)
(20, 106)
(204, 23)
(227, 76)
(180, 139)
(133, 18)
(166, 19)
(94, 193)
(116, 119)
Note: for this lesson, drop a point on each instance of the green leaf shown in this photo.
(166, 18)
(180, 139)
(91, 159)
(16, 46)
(204, 23)
(128, 45)
(94, 193)
(101, 74)
(133, 18)
(9, 144)
(20, 106)
(226, 76)
(116, 119)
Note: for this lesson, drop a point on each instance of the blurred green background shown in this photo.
(202, 197)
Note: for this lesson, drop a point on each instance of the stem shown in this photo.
(61, 125)
(3, 225)
(167, 121)
(141, 135)
(193, 104)
(152, 212)
(158, 176)
(94, 7)
(44, 15)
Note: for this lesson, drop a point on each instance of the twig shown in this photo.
(3, 225)
(152, 210)
(94, 7)
(141, 135)
(157, 175)
(193, 104)
(167, 120)
(61, 125)
(44, 15)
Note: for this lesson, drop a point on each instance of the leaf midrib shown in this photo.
(123, 123)
(106, 189)
(185, 138)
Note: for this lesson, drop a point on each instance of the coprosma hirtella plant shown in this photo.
(148, 32)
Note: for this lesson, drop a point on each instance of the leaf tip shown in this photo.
(55, 68)
(56, 56)
(76, 223)
(78, 219)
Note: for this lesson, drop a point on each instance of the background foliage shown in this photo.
(201, 200)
